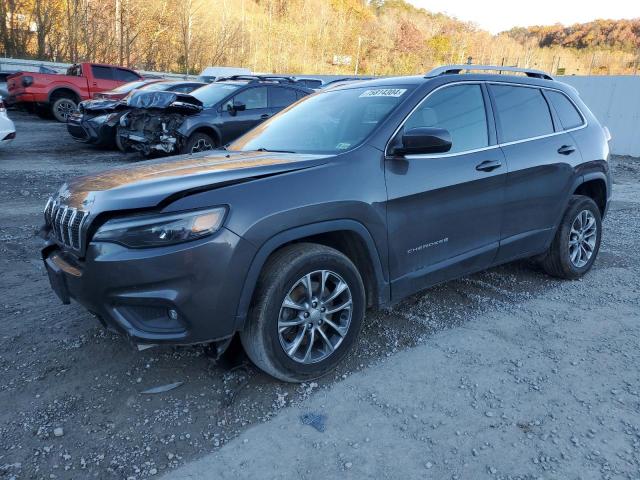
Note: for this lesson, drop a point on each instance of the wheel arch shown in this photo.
(64, 92)
(207, 129)
(594, 186)
(348, 236)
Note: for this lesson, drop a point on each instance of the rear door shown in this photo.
(444, 211)
(281, 97)
(102, 79)
(237, 122)
(540, 157)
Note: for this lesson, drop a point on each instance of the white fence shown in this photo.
(17, 64)
(615, 101)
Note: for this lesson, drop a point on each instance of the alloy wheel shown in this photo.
(201, 145)
(315, 316)
(582, 238)
(65, 108)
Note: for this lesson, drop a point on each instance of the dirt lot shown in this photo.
(71, 393)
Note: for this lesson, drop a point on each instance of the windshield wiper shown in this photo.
(262, 149)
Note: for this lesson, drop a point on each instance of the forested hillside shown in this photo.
(623, 35)
(378, 37)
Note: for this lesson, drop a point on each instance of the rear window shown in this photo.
(522, 112)
(567, 112)
(103, 73)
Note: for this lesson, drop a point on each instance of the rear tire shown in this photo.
(119, 144)
(199, 142)
(62, 107)
(314, 323)
(576, 243)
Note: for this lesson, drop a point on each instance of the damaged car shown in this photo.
(206, 119)
(96, 121)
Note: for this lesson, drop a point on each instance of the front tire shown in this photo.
(306, 314)
(577, 240)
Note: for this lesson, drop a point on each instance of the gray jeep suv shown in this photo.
(351, 198)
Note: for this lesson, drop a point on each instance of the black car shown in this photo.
(96, 121)
(355, 197)
(227, 109)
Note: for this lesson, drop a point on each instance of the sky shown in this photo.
(499, 15)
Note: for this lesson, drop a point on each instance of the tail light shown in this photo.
(27, 80)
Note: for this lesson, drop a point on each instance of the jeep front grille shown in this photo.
(66, 223)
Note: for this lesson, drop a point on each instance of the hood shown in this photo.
(162, 100)
(100, 105)
(149, 183)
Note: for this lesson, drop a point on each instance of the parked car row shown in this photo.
(169, 117)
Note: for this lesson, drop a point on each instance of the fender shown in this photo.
(577, 181)
(271, 245)
(600, 175)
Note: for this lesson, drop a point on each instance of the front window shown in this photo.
(328, 122)
(209, 95)
(459, 109)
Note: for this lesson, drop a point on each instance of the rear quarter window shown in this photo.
(566, 110)
(522, 112)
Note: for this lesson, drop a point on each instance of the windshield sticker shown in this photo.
(383, 92)
(343, 146)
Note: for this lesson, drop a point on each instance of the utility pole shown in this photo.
(358, 55)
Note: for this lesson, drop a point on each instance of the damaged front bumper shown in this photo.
(153, 123)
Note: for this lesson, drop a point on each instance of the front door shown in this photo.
(444, 211)
(238, 122)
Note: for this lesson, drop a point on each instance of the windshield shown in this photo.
(329, 122)
(157, 86)
(127, 87)
(209, 95)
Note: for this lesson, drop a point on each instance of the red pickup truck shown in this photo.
(60, 94)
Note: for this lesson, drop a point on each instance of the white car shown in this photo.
(7, 128)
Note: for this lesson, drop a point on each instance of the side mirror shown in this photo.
(235, 107)
(424, 140)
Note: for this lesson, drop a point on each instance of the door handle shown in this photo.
(264, 115)
(566, 149)
(488, 165)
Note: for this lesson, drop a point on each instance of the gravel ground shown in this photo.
(71, 392)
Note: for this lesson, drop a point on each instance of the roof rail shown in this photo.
(454, 69)
(258, 78)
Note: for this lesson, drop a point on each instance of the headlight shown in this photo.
(104, 118)
(159, 230)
